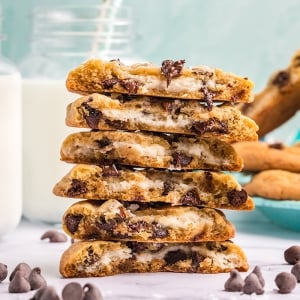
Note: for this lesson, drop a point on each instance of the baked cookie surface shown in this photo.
(114, 220)
(100, 258)
(171, 79)
(194, 188)
(149, 150)
(98, 111)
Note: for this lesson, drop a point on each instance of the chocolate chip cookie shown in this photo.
(120, 112)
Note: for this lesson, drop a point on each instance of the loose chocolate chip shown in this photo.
(110, 171)
(130, 85)
(109, 83)
(3, 272)
(103, 142)
(171, 69)
(281, 79)
(72, 222)
(190, 198)
(296, 270)
(180, 160)
(173, 257)
(91, 115)
(278, 146)
(23, 267)
(292, 254)
(45, 293)
(77, 188)
(168, 187)
(117, 124)
(91, 292)
(72, 291)
(234, 283)
(285, 282)
(211, 125)
(19, 284)
(258, 273)
(36, 280)
(54, 236)
(237, 198)
(252, 285)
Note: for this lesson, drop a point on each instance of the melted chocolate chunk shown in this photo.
(72, 222)
(92, 257)
(168, 187)
(171, 69)
(159, 231)
(77, 188)
(191, 198)
(237, 198)
(130, 85)
(108, 225)
(197, 258)
(214, 246)
(173, 257)
(180, 160)
(103, 142)
(110, 171)
(137, 226)
(209, 181)
(109, 83)
(278, 146)
(118, 124)
(208, 98)
(281, 79)
(211, 125)
(91, 115)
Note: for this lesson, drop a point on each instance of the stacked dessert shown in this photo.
(150, 170)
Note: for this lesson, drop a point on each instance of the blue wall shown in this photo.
(248, 37)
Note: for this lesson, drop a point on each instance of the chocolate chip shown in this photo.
(54, 236)
(190, 198)
(77, 188)
(296, 270)
(211, 125)
(235, 282)
(237, 198)
(281, 79)
(258, 273)
(22, 267)
(19, 283)
(72, 222)
(180, 160)
(285, 282)
(91, 115)
(173, 257)
(103, 142)
(117, 124)
(46, 293)
(36, 280)
(171, 69)
(72, 291)
(91, 292)
(110, 171)
(252, 285)
(168, 187)
(3, 272)
(292, 254)
(130, 85)
(109, 83)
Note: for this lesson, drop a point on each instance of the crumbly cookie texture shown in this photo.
(278, 101)
(114, 220)
(118, 112)
(100, 258)
(275, 184)
(258, 156)
(172, 79)
(150, 150)
(193, 188)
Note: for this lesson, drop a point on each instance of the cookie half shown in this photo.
(171, 79)
(98, 111)
(100, 258)
(150, 150)
(193, 188)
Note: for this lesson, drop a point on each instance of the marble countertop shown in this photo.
(263, 243)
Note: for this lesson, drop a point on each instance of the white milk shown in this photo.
(44, 129)
(10, 152)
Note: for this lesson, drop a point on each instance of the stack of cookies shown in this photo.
(149, 169)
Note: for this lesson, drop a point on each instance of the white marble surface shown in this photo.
(263, 243)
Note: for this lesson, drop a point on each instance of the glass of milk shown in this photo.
(62, 38)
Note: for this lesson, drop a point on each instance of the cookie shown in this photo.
(278, 101)
(275, 184)
(196, 188)
(140, 222)
(171, 79)
(258, 156)
(100, 258)
(98, 111)
(149, 150)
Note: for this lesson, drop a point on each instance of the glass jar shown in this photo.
(11, 145)
(62, 38)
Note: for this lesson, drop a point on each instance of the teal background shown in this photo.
(248, 37)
